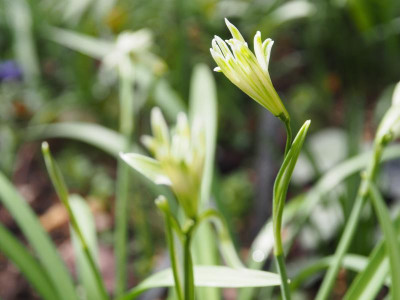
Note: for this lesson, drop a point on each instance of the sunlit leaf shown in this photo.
(210, 276)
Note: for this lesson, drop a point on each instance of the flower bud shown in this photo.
(247, 71)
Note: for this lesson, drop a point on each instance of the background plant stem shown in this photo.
(123, 181)
(351, 225)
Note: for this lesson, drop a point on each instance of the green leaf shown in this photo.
(93, 134)
(203, 107)
(389, 233)
(300, 208)
(352, 262)
(79, 42)
(62, 191)
(147, 166)
(209, 276)
(368, 283)
(27, 264)
(282, 181)
(85, 221)
(98, 136)
(37, 237)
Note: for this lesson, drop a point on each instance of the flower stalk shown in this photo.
(249, 72)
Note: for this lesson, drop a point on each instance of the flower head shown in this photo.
(248, 71)
(179, 158)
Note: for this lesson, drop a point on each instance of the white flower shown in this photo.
(389, 128)
(179, 158)
(248, 71)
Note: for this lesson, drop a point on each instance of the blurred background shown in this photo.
(335, 62)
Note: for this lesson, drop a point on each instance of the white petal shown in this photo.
(267, 46)
(259, 52)
(149, 167)
(396, 95)
(159, 127)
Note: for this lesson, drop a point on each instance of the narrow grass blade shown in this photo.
(85, 221)
(27, 264)
(62, 192)
(203, 108)
(209, 276)
(40, 241)
(85, 44)
(389, 233)
(103, 138)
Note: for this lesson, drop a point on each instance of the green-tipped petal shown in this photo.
(159, 127)
(182, 125)
(234, 31)
(149, 142)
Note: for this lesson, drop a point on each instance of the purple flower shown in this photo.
(10, 71)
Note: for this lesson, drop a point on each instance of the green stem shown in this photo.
(288, 135)
(278, 251)
(351, 225)
(123, 182)
(172, 254)
(188, 267)
(285, 290)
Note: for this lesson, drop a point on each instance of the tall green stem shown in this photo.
(123, 181)
(279, 254)
(188, 267)
(351, 225)
(172, 254)
(280, 263)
